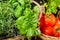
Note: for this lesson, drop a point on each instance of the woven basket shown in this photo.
(43, 36)
(46, 37)
(19, 37)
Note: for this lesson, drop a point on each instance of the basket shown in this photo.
(46, 37)
(19, 37)
(43, 36)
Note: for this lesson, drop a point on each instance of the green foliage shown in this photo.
(6, 21)
(52, 6)
(27, 20)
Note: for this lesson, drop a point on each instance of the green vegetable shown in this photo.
(18, 11)
(27, 20)
(6, 19)
(52, 6)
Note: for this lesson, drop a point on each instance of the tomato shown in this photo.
(47, 20)
(48, 31)
(57, 34)
(57, 28)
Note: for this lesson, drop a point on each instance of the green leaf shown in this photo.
(6, 18)
(23, 31)
(36, 9)
(52, 6)
(21, 2)
(20, 20)
(18, 11)
(27, 20)
(48, 11)
(37, 32)
(30, 32)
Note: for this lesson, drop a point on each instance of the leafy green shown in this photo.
(52, 6)
(27, 20)
(18, 11)
(6, 18)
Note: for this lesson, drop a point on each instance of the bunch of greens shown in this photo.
(52, 6)
(6, 18)
(27, 20)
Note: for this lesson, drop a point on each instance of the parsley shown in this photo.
(52, 6)
(6, 18)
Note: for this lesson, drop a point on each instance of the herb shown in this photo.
(52, 6)
(6, 18)
(27, 20)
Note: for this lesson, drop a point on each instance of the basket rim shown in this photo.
(49, 36)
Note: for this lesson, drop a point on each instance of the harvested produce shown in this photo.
(49, 23)
(57, 28)
(27, 20)
(53, 30)
(48, 31)
(52, 6)
(6, 19)
(47, 20)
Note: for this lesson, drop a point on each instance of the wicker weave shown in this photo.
(46, 37)
(16, 38)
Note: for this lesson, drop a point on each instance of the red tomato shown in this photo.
(57, 34)
(48, 31)
(47, 21)
(57, 28)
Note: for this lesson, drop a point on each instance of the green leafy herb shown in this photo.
(27, 20)
(6, 21)
(52, 6)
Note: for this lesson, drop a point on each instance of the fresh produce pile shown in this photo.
(19, 14)
(26, 19)
(49, 23)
